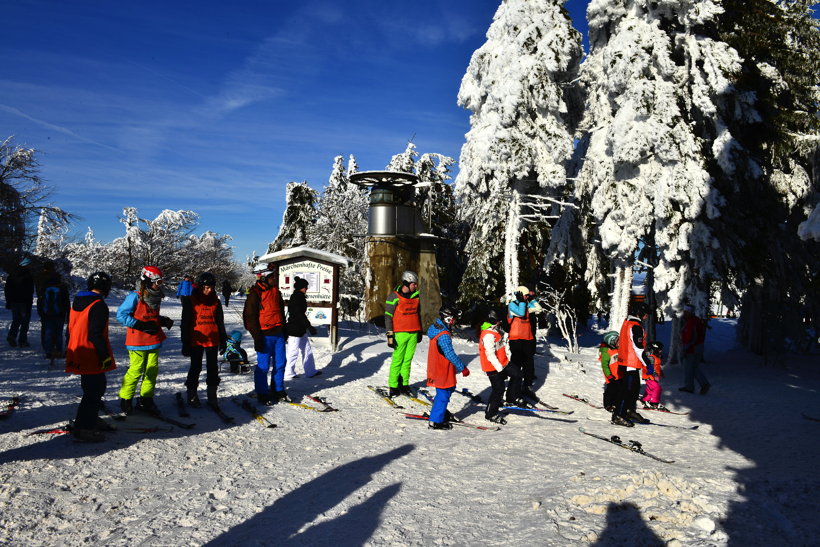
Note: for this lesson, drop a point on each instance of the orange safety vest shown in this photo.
(406, 317)
(270, 310)
(613, 362)
(80, 355)
(440, 372)
(500, 351)
(520, 327)
(626, 353)
(205, 330)
(656, 361)
(134, 337)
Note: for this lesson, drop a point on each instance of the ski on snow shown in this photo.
(632, 446)
(251, 408)
(384, 396)
(10, 406)
(221, 413)
(464, 424)
(666, 410)
(164, 418)
(322, 401)
(583, 400)
(684, 427)
(547, 408)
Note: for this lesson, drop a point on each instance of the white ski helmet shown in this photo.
(409, 277)
(260, 268)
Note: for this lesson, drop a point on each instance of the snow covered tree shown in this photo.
(341, 224)
(209, 252)
(51, 233)
(23, 196)
(298, 219)
(89, 256)
(519, 87)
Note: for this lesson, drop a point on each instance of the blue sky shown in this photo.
(215, 106)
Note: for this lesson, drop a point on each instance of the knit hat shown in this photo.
(299, 284)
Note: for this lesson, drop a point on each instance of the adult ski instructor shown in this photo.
(402, 317)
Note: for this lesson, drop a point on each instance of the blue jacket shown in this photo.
(517, 308)
(445, 344)
(185, 288)
(125, 315)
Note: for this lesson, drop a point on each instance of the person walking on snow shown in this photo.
(89, 354)
(631, 360)
(226, 291)
(496, 364)
(402, 318)
(298, 326)
(185, 287)
(139, 312)
(691, 334)
(264, 319)
(522, 340)
(53, 306)
(19, 292)
(202, 331)
(442, 365)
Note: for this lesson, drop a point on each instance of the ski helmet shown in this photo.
(655, 348)
(151, 274)
(409, 277)
(260, 268)
(493, 317)
(206, 279)
(99, 281)
(611, 339)
(448, 314)
(236, 336)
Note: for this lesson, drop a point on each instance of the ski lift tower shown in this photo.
(397, 240)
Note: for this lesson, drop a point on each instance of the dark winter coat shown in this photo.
(64, 298)
(298, 323)
(19, 287)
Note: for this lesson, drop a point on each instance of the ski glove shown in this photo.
(391, 341)
(259, 344)
(650, 369)
(610, 378)
(166, 322)
(465, 372)
(419, 336)
(148, 327)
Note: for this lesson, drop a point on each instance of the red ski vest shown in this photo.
(613, 362)
(440, 372)
(500, 351)
(520, 327)
(205, 330)
(406, 317)
(80, 355)
(134, 337)
(270, 311)
(626, 353)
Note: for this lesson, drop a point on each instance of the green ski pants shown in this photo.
(402, 358)
(143, 363)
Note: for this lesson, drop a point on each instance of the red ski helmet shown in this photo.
(151, 274)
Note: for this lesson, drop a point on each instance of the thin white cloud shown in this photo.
(51, 126)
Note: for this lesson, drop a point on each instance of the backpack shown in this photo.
(52, 303)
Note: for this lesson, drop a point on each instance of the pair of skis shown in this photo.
(324, 406)
(586, 401)
(383, 394)
(183, 411)
(536, 401)
(632, 446)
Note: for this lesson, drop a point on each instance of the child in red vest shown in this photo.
(442, 365)
(652, 395)
(608, 356)
(496, 364)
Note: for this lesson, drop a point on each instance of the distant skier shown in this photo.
(442, 365)
(185, 287)
(19, 292)
(402, 318)
(202, 331)
(692, 335)
(226, 291)
(496, 364)
(53, 306)
(139, 312)
(89, 354)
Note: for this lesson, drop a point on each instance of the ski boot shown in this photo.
(212, 400)
(126, 406)
(193, 398)
(437, 425)
(635, 417)
(148, 406)
(497, 419)
(619, 420)
(102, 425)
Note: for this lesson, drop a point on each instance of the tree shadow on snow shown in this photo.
(282, 522)
(625, 526)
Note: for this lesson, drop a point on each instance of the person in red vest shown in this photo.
(88, 354)
(496, 364)
(203, 334)
(608, 356)
(442, 365)
(264, 319)
(631, 361)
(402, 318)
(139, 312)
(692, 335)
(522, 340)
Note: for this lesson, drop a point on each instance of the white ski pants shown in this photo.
(299, 350)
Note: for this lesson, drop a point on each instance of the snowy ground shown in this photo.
(366, 475)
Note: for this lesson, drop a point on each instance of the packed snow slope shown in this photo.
(366, 475)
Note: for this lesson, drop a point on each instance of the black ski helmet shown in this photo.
(206, 279)
(493, 317)
(655, 348)
(448, 314)
(99, 281)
